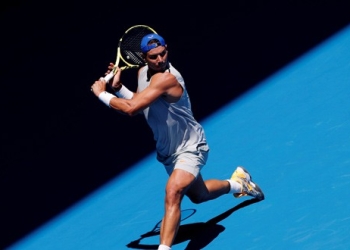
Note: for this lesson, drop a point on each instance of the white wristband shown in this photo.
(124, 92)
(105, 97)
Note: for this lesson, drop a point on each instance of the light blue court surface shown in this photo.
(292, 132)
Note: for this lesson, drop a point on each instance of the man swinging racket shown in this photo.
(180, 140)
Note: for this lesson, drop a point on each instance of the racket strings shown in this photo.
(134, 57)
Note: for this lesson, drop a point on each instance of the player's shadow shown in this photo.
(198, 234)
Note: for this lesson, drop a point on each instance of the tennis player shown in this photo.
(180, 140)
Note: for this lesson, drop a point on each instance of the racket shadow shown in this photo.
(198, 234)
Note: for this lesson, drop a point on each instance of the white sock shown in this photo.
(235, 187)
(163, 247)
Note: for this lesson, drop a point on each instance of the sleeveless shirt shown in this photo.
(173, 124)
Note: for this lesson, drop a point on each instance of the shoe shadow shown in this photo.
(198, 234)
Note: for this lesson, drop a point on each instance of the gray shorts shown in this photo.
(191, 160)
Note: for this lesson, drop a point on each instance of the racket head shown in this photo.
(130, 45)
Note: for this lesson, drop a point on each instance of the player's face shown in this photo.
(157, 58)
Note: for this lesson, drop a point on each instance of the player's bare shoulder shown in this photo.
(165, 79)
(168, 84)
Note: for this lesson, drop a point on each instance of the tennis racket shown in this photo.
(129, 50)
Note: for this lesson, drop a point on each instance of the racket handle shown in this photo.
(109, 76)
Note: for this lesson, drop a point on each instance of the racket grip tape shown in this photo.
(109, 76)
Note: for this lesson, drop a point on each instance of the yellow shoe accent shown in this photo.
(239, 172)
(248, 187)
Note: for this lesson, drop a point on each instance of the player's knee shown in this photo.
(173, 195)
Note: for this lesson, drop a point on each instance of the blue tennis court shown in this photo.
(292, 132)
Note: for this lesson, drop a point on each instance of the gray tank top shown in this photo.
(173, 125)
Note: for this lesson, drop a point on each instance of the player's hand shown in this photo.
(98, 86)
(109, 68)
(116, 79)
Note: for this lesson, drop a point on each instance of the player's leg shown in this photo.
(240, 184)
(201, 191)
(176, 187)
